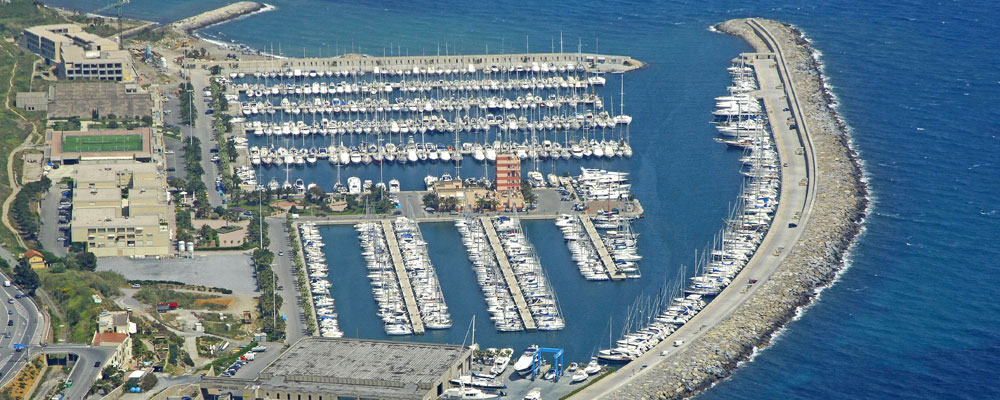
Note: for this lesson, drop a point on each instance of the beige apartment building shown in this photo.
(78, 54)
(121, 210)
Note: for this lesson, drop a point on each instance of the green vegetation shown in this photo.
(74, 291)
(71, 124)
(102, 143)
(25, 218)
(269, 301)
(300, 271)
(20, 14)
(220, 364)
(529, 196)
(152, 295)
(590, 382)
(25, 277)
(188, 110)
(150, 35)
(432, 200)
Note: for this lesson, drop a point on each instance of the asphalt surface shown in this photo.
(231, 270)
(795, 199)
(203, 131)
(284, 268)
(49, 231)
(84, 373)
(25, 316)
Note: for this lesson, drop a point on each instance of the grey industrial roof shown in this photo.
(384, 367)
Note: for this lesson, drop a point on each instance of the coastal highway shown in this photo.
(25, 325)
(797, 193)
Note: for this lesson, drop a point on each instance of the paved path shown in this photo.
(203, 131)
(284, 268)
(508, 275)
(403, 278)
(602, 250)
(795, 206)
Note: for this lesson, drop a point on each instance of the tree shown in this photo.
(25, 277)
(86, 261)
(432, 200)
(215, 70)
(316, 194)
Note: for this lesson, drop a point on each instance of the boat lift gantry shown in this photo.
(557, 361)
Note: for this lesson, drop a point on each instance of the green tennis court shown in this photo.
(101, 143)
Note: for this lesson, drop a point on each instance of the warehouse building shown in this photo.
(316, 368)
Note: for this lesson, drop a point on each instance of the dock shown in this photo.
(602, 250)
(508, 275)
(404, 280)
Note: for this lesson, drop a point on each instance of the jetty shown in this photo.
(218, 15)
(804, 247)
(508, 274)
(409, 300)
(593, 62)
(602, 250)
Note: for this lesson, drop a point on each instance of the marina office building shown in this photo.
(317, 368)
(78, 54)
(121, 210)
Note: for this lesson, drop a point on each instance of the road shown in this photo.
(203, 131)
(284, 267)
(25, 316)
(795, 199)
(84, 372)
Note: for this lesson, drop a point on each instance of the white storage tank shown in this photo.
(180, 245)
(190, 246)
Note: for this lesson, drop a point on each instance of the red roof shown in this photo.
(32, 253)
(109, 337)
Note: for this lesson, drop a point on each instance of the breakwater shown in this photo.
(838, 207)
(218, 15)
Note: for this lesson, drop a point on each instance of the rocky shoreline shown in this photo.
(839, 208)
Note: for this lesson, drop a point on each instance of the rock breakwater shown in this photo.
(838, 209)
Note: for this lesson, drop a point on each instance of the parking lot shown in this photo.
(56, 211)
(230, 270)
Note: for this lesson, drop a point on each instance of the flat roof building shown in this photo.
(340, 368)
(72, 147)
(78, 54)
(111, 223)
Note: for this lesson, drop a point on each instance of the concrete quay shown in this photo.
(409, 300)
(508, 275)
(822, 190)
(602, 250)
(592, 62)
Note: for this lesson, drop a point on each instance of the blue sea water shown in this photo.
(915, 315)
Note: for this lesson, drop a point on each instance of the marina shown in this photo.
(406, 289)
(513, 284)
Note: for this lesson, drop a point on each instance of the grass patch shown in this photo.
(152, 295)
(74, 291)
(101, 143)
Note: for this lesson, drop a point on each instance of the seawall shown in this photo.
(218, 15)
(839, 207)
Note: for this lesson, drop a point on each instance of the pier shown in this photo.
(404, 280)
(602, 250)
(356, 62)
(508, 274)
(794, 146)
